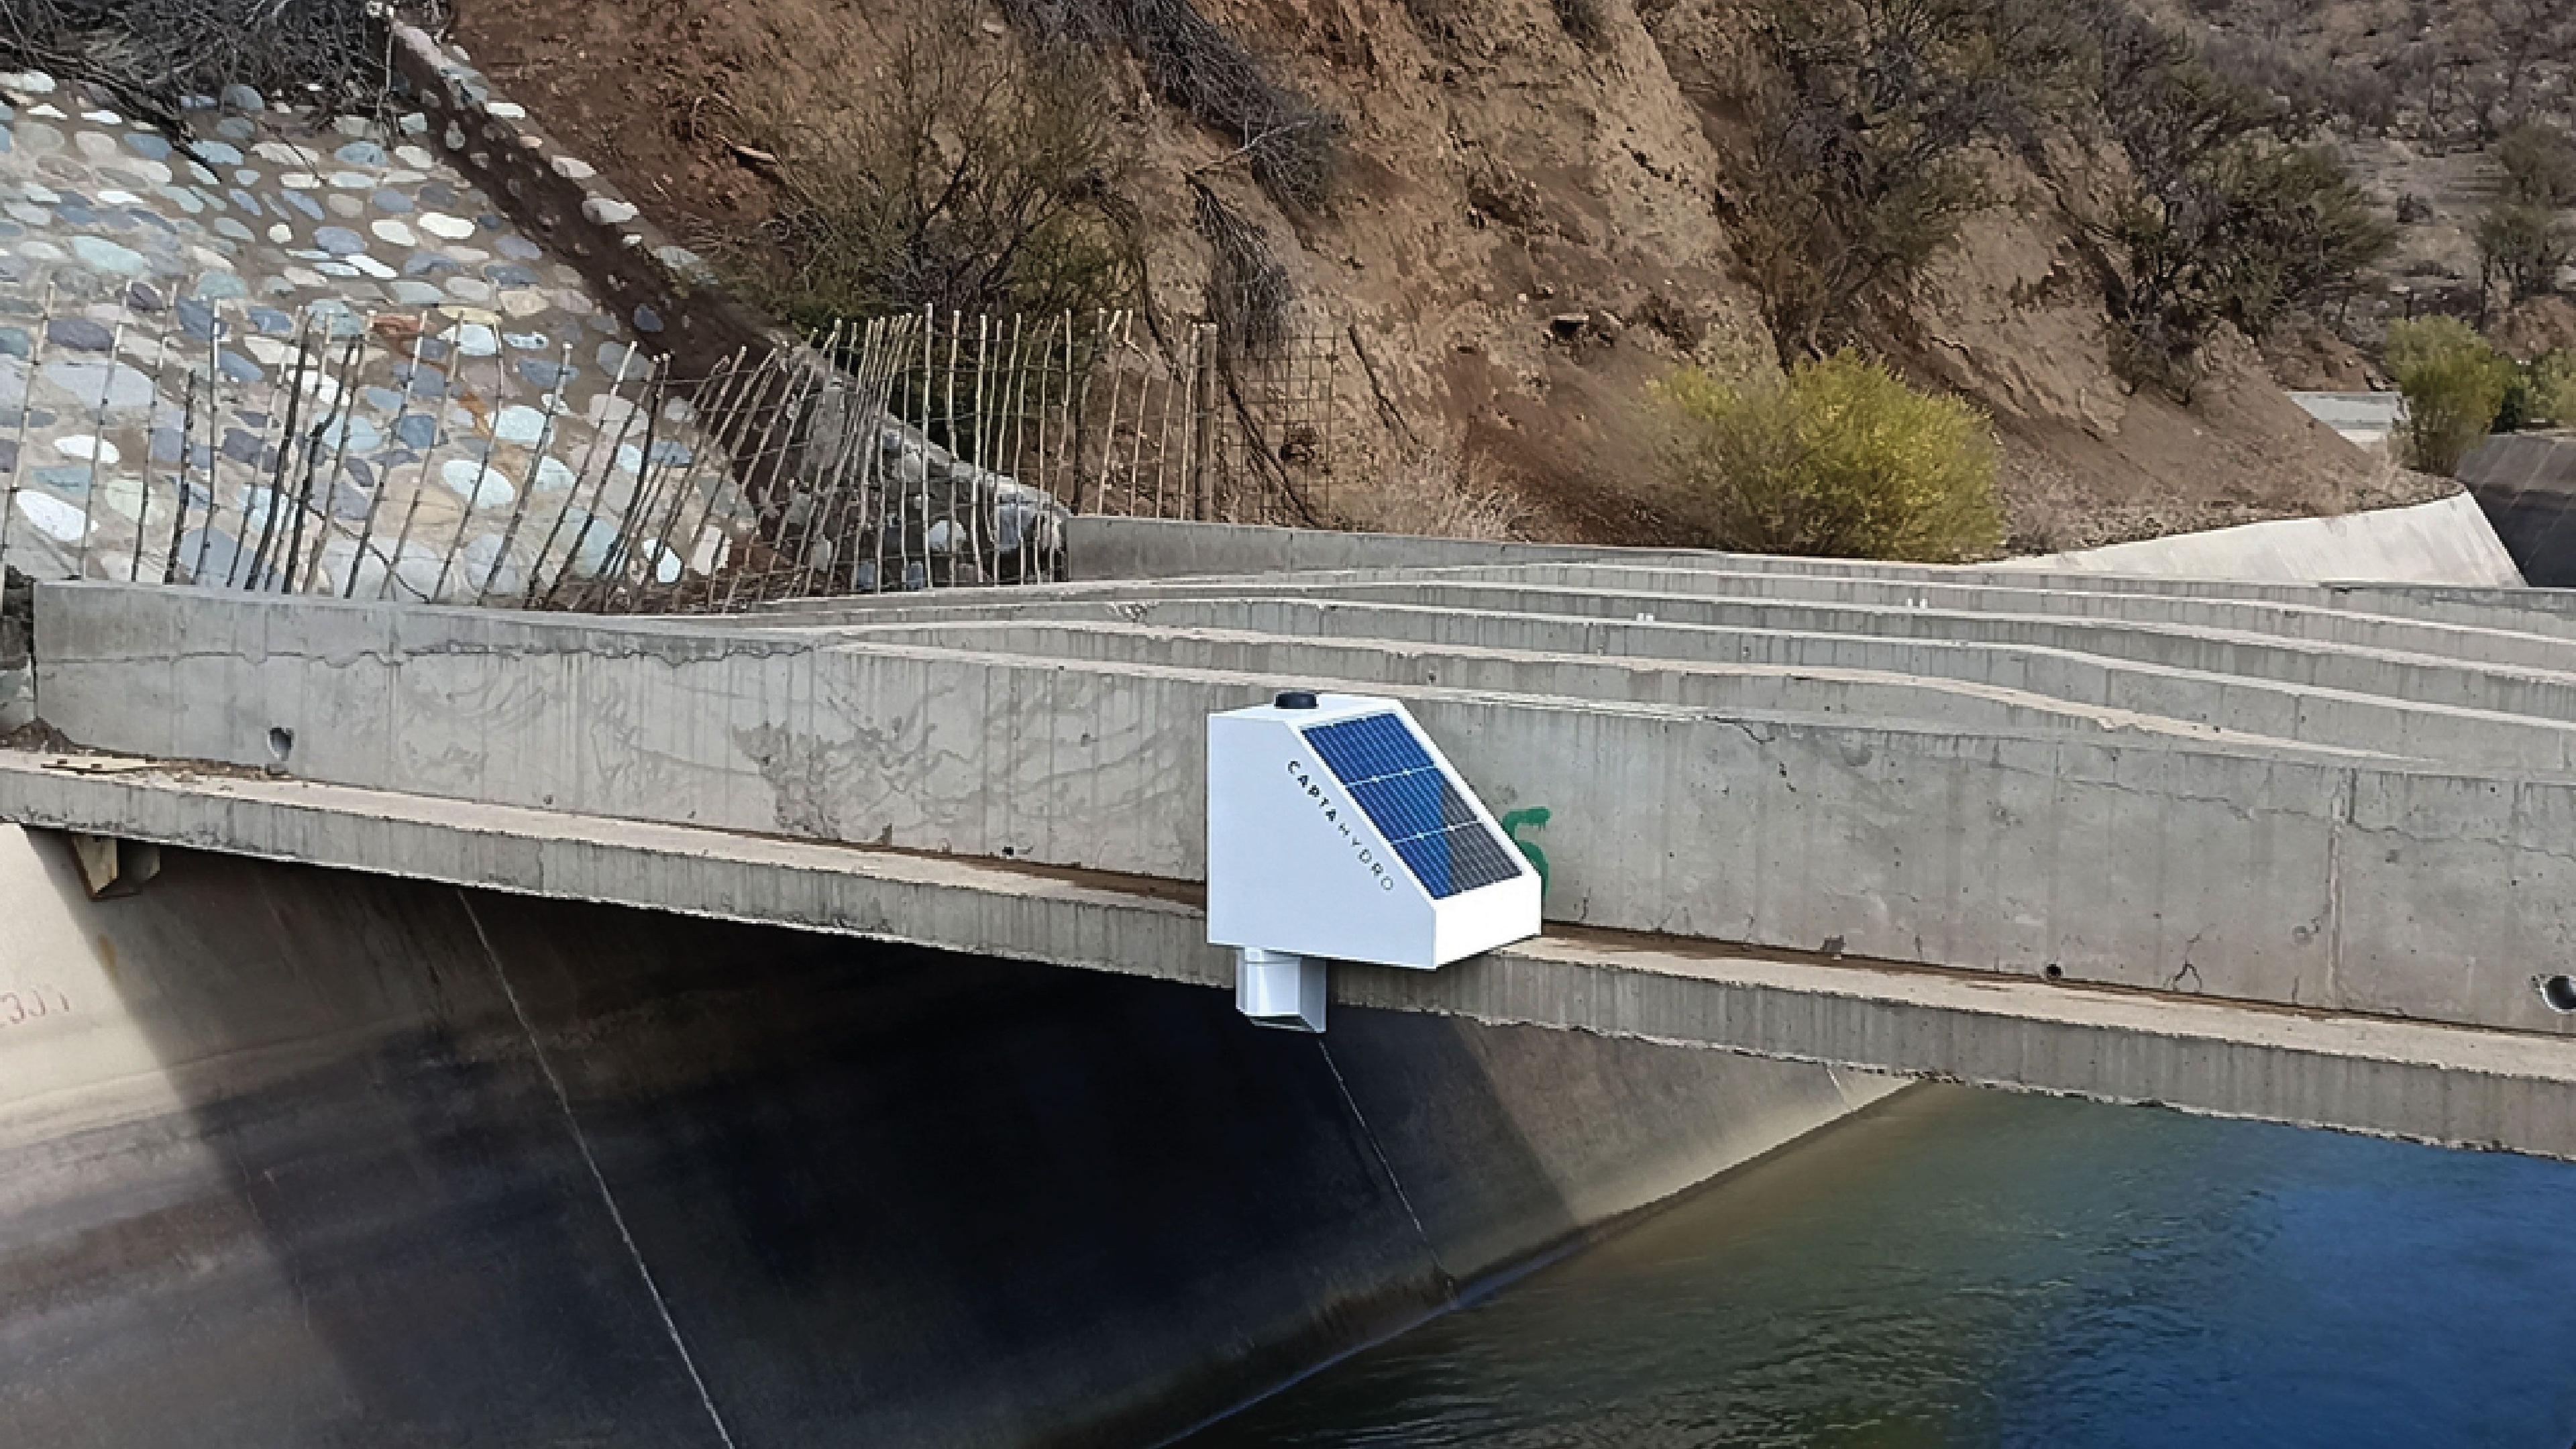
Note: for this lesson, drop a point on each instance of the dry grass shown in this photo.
(1249, 293)
(1292, 144)
(948, 170)
(1438, 495)
(153, 52)
(1586, 22)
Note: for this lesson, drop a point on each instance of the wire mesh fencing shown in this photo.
(436, 456)
(1105, 415)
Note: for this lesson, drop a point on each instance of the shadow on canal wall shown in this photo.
(281, 1163)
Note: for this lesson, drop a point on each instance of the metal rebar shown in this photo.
(528, 485)
(428, 461)
(214, 444)
(686, 485)
(26, 405)
(572, 490)
(151, 425)
(97, 444)
(277, 471)
(712, 447)
(187, 442)
(832, 511)
(483, 468)
(347, 412)
(383, 474)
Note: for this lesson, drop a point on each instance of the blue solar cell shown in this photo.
(1406, 804)
(1432, 827)
(1368, 748)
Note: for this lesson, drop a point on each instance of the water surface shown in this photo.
(1972, 1269)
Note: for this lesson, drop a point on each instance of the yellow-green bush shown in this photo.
(2413, 343)
(2548, 388)
(2455, 385)
(1838, 459)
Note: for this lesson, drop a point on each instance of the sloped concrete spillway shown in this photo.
(291, 1157)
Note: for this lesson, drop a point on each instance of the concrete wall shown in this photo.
(1952, 605)
(2527, 484)
(2249, 873)
(2299, 642)
(2545, 690)
(1968, 686)
(1743, 667)
(2364, 419)
(293, 1158)
(1138, 548)
(2446, 541)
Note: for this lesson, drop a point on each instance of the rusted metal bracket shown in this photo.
(111, 867)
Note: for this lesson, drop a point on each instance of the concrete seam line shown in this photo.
(599, 1179)
(1368, 1134)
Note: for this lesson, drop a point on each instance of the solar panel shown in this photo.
(1411, 802)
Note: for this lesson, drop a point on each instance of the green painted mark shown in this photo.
(1534, 818)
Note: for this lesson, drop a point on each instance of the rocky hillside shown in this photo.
(2417, 96)
(1537, 208)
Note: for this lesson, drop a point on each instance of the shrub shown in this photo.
(2231, 221)
(965, 180)
(2523, 246)
(2551, 382)
(1436, 492)
(1867, 158)
(1585, 22)
(2413, 343)
(1292, 144)
(1249, 293)
(2542, 394)
(2455, 386)
(154, 52)
(1838, 459)
(2539, 164)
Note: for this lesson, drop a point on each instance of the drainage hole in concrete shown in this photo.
(2052, 972)
(2559, 992)
(281, 743)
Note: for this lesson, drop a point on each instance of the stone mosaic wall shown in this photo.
(284, 351)
(289, 352)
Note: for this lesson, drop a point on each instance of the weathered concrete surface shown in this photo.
(1856, 675)
(1950, 610)
(2364, 419)
(2430, 1083)
(2391, 658)
(2446, 541)
(1143, 548)
(2527, 484)
(2257, 873)
(294, 1157)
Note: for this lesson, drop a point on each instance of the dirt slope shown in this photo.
(1525, 235)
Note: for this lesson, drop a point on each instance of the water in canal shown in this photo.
(1971, 1269)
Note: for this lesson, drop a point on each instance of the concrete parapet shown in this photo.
(2419, 677)
(2445, 541)
(1854, 675)
(1104, 549)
